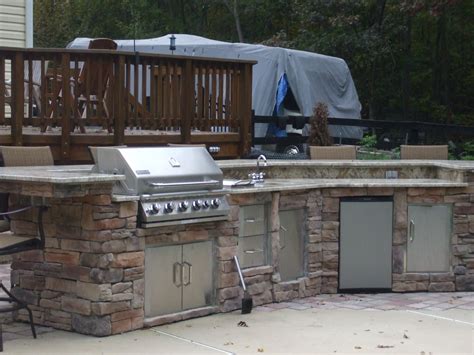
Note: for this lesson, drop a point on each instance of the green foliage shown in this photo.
(468, 153)
(369, 141)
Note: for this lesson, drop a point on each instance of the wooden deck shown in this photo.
(117, 98)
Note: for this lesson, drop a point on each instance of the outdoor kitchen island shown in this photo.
(98, 272)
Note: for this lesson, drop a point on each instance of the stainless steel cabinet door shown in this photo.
(429, 232)
(365, 244)
(292, 235)
(163, 280)
(197, 275)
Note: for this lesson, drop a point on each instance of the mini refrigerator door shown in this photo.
(365, 250)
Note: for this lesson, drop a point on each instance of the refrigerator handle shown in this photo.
(412, 230)
(177, 267)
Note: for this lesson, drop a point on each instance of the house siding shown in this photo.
(13, 23)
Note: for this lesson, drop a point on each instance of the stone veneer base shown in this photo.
(90, 276)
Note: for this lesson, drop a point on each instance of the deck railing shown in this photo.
(187, 99)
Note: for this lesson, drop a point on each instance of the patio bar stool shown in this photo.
(433, 152)
(334, 152)
(11, 244)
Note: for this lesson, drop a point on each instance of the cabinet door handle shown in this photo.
(177, 267)
(412, 230)
(253, 251)
(282, 239)
(190, 273)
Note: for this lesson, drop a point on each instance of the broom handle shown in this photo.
(240, 272)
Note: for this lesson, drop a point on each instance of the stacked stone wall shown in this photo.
(90, 276)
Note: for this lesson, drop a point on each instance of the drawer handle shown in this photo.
(412, 230)
(253, 251)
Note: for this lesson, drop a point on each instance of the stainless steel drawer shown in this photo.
(252, 220)
(252, 251)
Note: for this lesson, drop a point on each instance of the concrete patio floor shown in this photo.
(417, 323)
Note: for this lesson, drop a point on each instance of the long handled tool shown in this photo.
(247, 301)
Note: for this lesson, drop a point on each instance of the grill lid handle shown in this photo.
(163, 185)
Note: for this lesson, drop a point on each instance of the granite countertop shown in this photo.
(450, 164)
(303, 184)
(57, 174)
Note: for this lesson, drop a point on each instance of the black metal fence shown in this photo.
(395, 132)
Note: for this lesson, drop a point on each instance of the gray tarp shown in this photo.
(312, 77)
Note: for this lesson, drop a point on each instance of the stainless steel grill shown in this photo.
(176, 185)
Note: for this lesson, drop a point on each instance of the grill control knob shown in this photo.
(197, 205)
(155, 208)
(205, 204)
(183, 206)
(215, 203)
(169, 207)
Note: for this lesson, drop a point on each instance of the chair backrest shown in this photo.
(435, 152)
(95, 68)
(342, 152)
(27, 156)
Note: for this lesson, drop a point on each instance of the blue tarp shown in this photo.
(282, 90)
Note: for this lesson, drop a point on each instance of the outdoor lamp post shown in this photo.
(172, 43)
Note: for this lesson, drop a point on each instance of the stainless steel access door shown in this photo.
(197, 275)
(365, 244)
(429, 233)
(292, 234)
(163, 284)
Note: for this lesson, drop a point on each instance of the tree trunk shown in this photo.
(379, 22)
(235, 12)
(406, 87)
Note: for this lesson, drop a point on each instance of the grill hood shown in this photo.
(159, 169)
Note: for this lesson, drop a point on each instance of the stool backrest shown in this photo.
(27, 156)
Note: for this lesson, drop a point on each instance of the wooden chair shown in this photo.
(342, 152)
(432, 152)
(94, 82)
(35, 96)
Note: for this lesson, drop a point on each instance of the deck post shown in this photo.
(119, 99)
(245, 108)
(66, 111)
(18, 93)
(187, 102)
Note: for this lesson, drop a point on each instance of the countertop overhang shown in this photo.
(56, 174)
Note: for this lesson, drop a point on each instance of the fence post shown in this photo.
(18, 93)
(187, 102)
(66, 110)
(119, 112)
